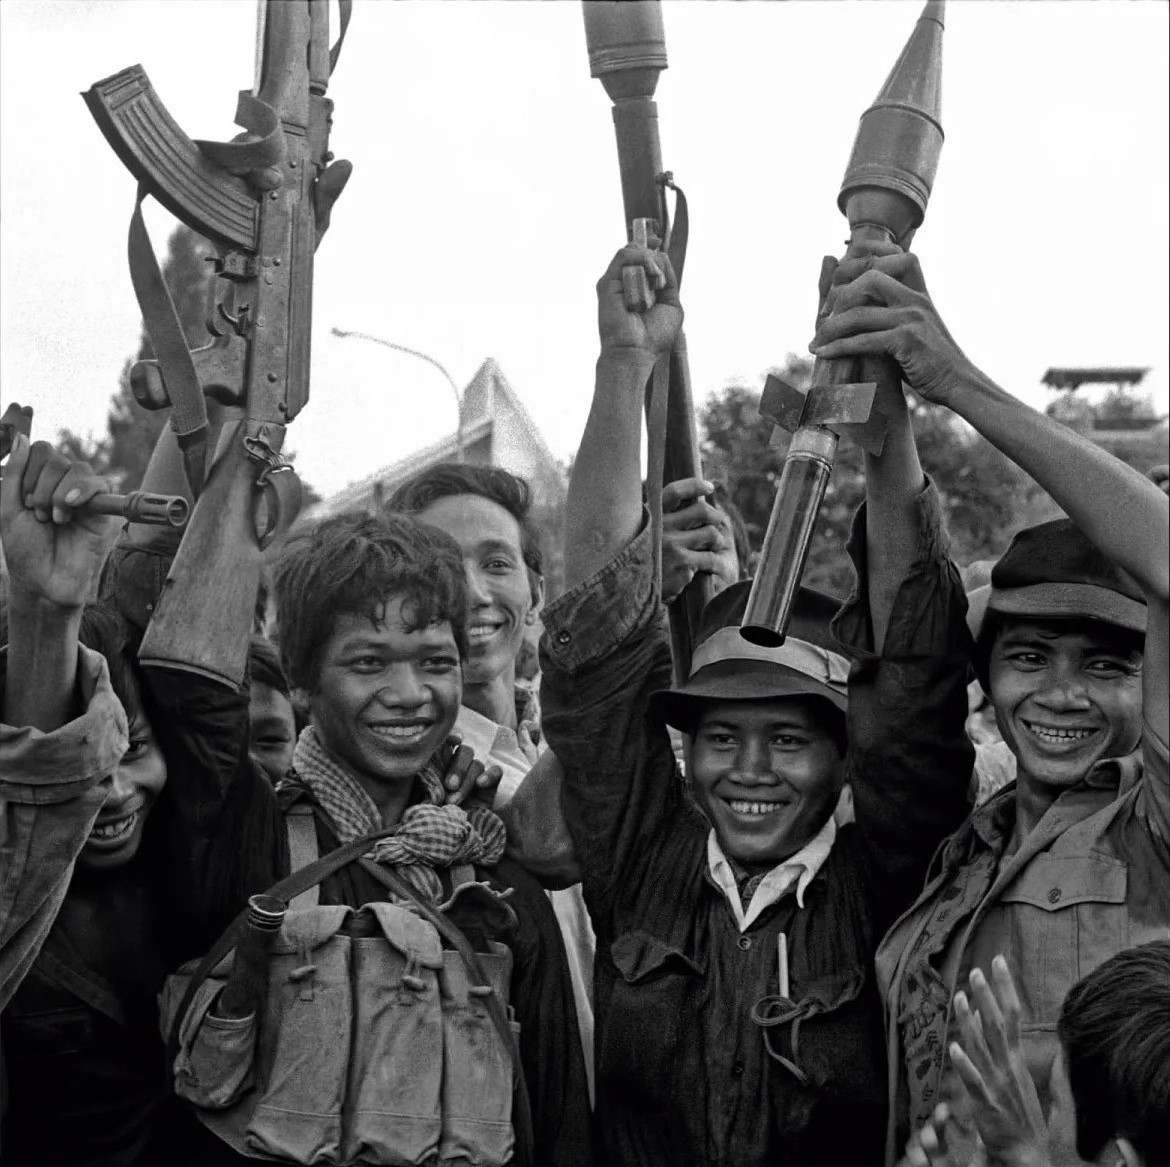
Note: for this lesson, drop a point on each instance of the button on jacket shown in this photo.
(699, 1060)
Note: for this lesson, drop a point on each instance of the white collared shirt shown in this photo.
(799, 869)
(500, 745)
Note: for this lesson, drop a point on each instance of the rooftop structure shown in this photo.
(494, 430)
(1073, 379)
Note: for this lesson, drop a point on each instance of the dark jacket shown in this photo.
(698, 1061)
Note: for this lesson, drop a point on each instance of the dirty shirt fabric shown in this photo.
(82, 1056)
(1092, 878)
(699, 1061)
(50, 794)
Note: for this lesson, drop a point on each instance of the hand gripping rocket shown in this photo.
(884, 195)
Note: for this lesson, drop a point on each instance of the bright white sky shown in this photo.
(485, 200)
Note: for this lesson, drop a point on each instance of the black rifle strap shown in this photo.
(658, 398)
(345, 11)
(392, 881)
(680, 229)
(161, 321)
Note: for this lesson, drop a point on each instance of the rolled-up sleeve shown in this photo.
(605, 650)
(910, 759)
(52, 786)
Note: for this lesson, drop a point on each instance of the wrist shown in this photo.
(626, 358)
(35, 608)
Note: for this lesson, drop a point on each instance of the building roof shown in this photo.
(1074, 378)
(480, 403)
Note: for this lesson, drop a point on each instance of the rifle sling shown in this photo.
(161, 322)
(658, 397)
(345, 11)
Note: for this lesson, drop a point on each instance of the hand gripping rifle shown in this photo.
(884, 196)
(139, 506)
(254, 199)
(627, 52)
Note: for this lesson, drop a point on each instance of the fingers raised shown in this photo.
(1009, 999)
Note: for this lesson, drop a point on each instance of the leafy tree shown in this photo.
(985, 496)
(131, 431)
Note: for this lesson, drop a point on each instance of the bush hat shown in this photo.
(1052, 572)
(726, 667)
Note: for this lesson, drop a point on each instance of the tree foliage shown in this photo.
(123, 451)
(986, 498)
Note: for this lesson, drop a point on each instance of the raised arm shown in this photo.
(604, 506)
(64, 731)
(1121, 511)
(54, 553)
(893, 479)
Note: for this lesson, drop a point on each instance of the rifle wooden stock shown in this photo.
(202, 619)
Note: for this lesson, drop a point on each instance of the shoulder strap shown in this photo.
(302, 850)
(287, 889)
(525, 1138)
(59, 964)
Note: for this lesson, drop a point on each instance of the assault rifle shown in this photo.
(627, 52)
(254, 199)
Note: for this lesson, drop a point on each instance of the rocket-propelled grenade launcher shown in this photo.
(884, 195)
(254, 200)
(627, 53)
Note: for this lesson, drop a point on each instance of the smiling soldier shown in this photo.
(1071, 863)
(738, 1021)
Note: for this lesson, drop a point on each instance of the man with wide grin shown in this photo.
(736, 1009)
(1071, 863)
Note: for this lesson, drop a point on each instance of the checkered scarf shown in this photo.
(429, 835)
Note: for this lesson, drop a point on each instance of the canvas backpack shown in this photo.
(377, 1045)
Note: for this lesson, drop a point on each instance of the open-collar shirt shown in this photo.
(798, 870)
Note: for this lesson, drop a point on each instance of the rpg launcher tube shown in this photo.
(246, 992)
(884, 195)
(802, 486)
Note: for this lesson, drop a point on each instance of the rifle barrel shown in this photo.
(140, 506)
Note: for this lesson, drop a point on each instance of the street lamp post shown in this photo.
(345, 333)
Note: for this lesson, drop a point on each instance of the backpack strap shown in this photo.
(287, 889)
(302, 850)
(392, 881)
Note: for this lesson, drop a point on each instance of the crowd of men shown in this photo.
(774, 914)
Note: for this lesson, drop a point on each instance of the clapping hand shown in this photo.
(989, 1061)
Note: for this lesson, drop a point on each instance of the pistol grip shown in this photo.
(168, 163)
(219, 366)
